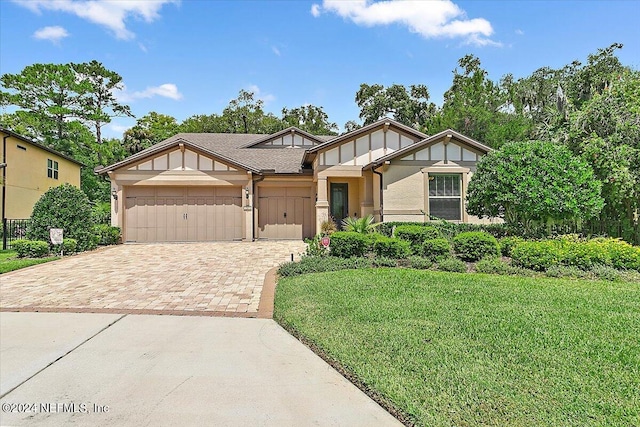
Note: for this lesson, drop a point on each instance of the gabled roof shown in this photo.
(37, 144)
(354, 134)
(171, 143)
(228, 147)
(434, 138)
(291, 129)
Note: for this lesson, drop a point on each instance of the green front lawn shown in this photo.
(472, 349)
(9, 261)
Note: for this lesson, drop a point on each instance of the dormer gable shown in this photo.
(291, 137)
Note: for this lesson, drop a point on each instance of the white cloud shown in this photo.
(142, 47)
(519, 32)
(275, 50)
(167, 90)
(107, 13)
(265, 97)
(430, 19)
(53, 34)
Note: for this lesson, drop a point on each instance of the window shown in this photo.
(52, 169)
(445, 196)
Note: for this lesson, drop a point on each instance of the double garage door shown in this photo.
(285, 213)
(181, 214)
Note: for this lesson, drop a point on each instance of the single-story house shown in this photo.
(207, 186)
(28, 170)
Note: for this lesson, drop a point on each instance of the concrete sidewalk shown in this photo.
(169, 370)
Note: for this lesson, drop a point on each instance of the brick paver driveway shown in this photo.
(182, 278)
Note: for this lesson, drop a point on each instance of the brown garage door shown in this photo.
(285, 213)
(180, 214)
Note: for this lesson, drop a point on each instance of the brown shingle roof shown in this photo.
(229, 146)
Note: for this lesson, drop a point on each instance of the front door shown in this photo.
(339, 202)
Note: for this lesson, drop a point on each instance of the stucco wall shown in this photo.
(27, 177)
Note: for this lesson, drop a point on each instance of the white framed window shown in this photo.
(52, 169)
(445, 196)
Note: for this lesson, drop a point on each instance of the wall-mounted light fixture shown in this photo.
(246, 192)
(114, 194)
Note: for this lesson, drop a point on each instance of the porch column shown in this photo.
(117, 202)
(247, 207)
(322, 203)
(366, 194)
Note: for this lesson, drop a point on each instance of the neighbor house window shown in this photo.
(52, 169)
(445, 196)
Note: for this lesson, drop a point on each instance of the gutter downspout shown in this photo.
(373, 169)
(4, 191)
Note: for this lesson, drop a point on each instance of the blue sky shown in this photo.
(191, 57)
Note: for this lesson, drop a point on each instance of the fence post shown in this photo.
(4, 234)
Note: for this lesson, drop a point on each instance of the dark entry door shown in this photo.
(339, 203)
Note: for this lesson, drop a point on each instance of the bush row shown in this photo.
(543, 255)
(103, 235)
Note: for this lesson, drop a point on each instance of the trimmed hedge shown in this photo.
(107, 235)
(537, 256)
(475, 245)
(453, 265)
(31, 248)
(68, 246)
(416, 235)
(310, 264)
(436, 248)
(389, 247)
(348, 244)
(508, 243)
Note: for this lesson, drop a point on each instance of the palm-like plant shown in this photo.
(364, 225)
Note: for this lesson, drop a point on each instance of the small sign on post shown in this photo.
(325, 241)
(56, 236)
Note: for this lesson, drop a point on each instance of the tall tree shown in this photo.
(50, 94)
(409, 106)
(309, 118)
(245, 114)
(98, 103)
(148, 130)
(203, 123)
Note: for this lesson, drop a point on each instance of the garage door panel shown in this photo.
(168, 217)
(274, 203)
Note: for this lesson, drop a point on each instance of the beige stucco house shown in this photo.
(29, 170)
(202, 187)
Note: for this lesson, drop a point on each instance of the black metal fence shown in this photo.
(12, 230)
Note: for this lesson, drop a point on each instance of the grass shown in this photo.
(447, 349)
(10, 262)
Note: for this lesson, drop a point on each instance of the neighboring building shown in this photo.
(201, 187)
(30, 170)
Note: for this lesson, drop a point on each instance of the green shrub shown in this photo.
(436, 248)
(65, 207)
(389, 247)
(537, 256)
(68, 247)
(364, 225)
(101, 213)
(605, 272)
(347, 244)
(31, 248)
(475, 245)
(416, 235)
(314, 248)
(583, 255)
(566, 271)
(507, 243)
(420, 263)
(107, 235)
(321, 264)
(492, 266)
(453, 265)
(621, 253)
(382, 261)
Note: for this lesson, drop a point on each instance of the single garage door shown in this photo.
(183, 214)
(285, 213)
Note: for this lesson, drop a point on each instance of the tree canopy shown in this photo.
(534, 183)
